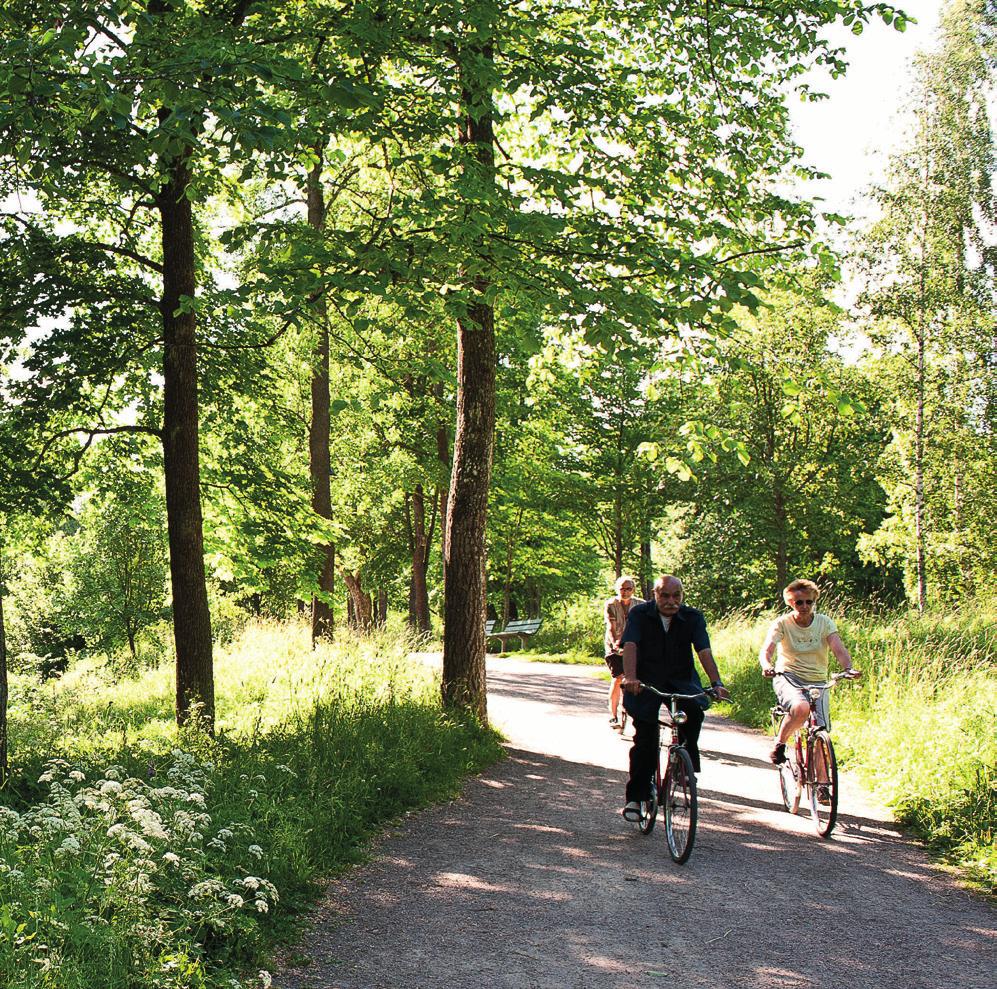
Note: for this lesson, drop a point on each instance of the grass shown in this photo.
(920, 728)
(315, 750)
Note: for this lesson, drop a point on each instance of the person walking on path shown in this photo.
(659, 644)
(616, 611)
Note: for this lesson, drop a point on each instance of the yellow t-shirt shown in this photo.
(802, 651)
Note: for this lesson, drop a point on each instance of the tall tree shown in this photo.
(930, 269)
(145, 106)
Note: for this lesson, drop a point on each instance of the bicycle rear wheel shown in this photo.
(680, 805)
(822, 783)
(649, 808)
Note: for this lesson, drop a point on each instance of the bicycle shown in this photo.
(677, 787)
(808, 750)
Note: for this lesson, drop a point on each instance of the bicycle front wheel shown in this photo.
(822, 783)
(680, 805)
(649, 807)
(790, 780)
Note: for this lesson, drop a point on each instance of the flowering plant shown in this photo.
(123, 881)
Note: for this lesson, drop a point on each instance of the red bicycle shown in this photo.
(675, 792)
(810, 763)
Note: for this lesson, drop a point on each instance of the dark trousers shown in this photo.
(643, 708)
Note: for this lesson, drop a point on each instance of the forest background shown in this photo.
(374, 317)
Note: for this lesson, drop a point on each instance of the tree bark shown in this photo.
(646, 564)
(922, 344)
(419, 597)
(4, 766)
(318, 434)
(467, 511)
(360, 600)
(195, 687)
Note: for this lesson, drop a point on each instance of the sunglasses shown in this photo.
(803, 601)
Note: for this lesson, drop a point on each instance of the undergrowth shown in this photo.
(132, 858)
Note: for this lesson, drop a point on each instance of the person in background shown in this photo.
(616, 611)
(660, 643)
(803, 639)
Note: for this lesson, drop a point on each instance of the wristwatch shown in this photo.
(716, 683)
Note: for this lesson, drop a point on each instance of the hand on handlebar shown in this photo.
(768, 671)
(632, 686)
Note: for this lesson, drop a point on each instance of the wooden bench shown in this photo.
(489, 627)
(521, 628)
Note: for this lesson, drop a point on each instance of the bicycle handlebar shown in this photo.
(705, 692)
(835, 677)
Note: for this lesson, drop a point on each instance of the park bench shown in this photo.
(521, 628)
(489, 627)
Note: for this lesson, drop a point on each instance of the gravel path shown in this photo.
(533, 879)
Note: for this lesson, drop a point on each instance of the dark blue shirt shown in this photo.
(666, 658)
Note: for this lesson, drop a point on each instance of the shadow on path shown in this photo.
(532, 879)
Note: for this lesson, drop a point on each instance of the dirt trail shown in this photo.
(533, 879)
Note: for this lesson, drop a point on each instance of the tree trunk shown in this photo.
(646, 564)
(467, 511)
(781, 550)
(922, 343)
(921, 563)
(4, 766)
(509, 557)
(618, 533)
(382, 607)
(195, 687)
(360, 601)
(420, 619)
(318, 433)
(444, 456)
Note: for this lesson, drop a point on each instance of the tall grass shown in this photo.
(920, 727)
(100, 861)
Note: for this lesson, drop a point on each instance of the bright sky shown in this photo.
(850, 134)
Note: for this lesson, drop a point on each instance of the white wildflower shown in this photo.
(255, 851)
(150, 823)
(262, 906)
(171, 858)
(234, 900)
(69, 846)
(205, 889)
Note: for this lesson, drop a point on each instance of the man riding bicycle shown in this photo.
(803, 638)
(659, 643)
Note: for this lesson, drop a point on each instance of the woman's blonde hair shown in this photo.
(800, 585)
(620, 581)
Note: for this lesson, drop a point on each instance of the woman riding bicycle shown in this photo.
(803, 638)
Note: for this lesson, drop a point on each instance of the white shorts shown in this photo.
(789, 690)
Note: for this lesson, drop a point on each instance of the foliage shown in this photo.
(931, 270)
(782, 436)
(119, 564)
